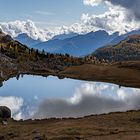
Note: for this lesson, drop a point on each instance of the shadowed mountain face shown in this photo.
(4, 38)
(65, 36)
(79, 45)
(128, 49)
(122, 37)
(25, 39)
(74, 44)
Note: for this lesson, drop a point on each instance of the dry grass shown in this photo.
(122, 126)
(124, 74)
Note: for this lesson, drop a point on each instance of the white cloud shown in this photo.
(117, 18)
(14, 103)
(109, 21)
(114, 20)
(91, 98)
(18, 116)
(131, 6)
(18, 27)
(122, 16)
(92, 2)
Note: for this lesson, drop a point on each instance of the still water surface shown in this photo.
(40, 97)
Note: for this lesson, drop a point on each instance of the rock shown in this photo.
(5, 112)
(38, 136)
(7, 38)
(5, 123)
(2, 137)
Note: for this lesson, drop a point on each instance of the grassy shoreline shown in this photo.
(117, 125)
(125, 74)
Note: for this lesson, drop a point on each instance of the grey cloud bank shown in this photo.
(90, 98)
(131, 5)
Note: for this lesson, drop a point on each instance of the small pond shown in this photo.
(38, 97)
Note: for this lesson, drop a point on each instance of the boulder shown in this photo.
(5, 112)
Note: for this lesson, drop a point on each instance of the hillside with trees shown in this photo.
(18, 58)
(128, 49)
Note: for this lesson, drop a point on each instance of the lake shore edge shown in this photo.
(122, 125)
(126, 74)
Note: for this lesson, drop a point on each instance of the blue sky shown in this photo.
(46, 12)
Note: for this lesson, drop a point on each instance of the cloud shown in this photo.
(14, 103)
(110, 21)
(90, 98)
(132, 6)
(92, 2)
(18, 27)
(122, 16)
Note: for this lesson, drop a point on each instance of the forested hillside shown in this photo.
(128, 49)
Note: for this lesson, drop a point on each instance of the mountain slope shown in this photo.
(17, 58)
(124, 36)
(74, 44)
(78, 45)
(64, 36)
(25, 39)
(128, 49)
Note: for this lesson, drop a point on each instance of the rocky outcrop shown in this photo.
(5, 112)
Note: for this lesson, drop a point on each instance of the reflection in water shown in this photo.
(91, 98)
(38, 97)
(1, 84)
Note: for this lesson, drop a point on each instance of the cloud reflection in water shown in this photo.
(84, 98)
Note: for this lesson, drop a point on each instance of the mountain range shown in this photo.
(75, 44)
